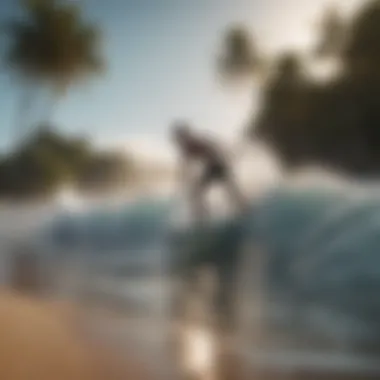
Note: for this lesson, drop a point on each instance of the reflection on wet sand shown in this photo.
(47, 340)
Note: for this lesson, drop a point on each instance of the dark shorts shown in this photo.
(214, 172)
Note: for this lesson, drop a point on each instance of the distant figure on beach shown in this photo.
(215, 167)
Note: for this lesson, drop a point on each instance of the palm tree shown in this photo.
(289, 70)
(332, 35)
(362, 53)
(239, 58)
(51, 48)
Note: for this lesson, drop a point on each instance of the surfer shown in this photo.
(215, 167)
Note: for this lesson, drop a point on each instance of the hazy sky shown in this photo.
(161, 56)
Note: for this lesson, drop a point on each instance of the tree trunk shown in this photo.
(23, 114)
(48, 112)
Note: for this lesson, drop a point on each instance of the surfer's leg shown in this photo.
(197, 200)
(233, 191)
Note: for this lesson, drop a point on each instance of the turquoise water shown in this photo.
(321, 247)
(132, 226)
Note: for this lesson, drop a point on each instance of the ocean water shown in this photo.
(315, 288)
(106, 254)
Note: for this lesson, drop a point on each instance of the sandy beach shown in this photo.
(46, 340)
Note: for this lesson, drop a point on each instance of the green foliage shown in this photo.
(332, 35)
(53, 43)
(305, 119)
(49, 160)
(362, 53)
(51, 47)
(334, 122)
(30, 173)
(239, 57)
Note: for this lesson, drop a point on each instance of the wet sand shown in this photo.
(45, 340)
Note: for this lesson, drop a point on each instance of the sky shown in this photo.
(161, 67)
